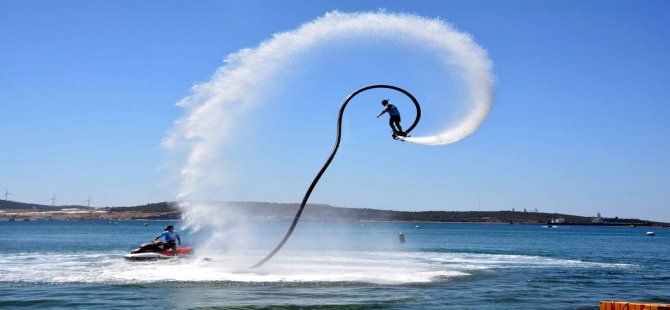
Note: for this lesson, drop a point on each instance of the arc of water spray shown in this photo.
(330, 159)
(215, 107)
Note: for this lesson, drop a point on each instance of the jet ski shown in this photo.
(155, 250)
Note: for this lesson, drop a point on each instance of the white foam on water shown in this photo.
(328, 266)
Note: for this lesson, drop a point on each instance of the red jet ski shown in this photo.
(155, 250)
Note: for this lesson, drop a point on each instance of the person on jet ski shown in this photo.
(170, 236)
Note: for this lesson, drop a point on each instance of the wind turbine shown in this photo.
(88, 201)
(7, 194)
(53, 200)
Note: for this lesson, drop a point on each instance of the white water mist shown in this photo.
(215, 107)
(219, 106)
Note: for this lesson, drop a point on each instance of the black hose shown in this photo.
(330, 159)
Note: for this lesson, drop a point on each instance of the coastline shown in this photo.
(273, 212)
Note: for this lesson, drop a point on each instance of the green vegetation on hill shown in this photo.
(286, 211)
(14, 205)
(166, 207)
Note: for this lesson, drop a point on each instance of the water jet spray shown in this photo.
(216, 107)
(330, 159)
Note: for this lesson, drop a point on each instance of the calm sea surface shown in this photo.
(79, 264)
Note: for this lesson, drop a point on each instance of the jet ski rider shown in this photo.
(170, 237)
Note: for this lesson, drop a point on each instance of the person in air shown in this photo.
(394, 118)
(169, 236)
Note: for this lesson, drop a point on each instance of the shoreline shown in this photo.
(274, 212)
(27, 219)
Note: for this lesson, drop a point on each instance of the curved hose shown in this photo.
(330, 159)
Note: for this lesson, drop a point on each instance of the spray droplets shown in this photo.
(220, 104)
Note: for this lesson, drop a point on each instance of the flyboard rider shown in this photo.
(394, 118)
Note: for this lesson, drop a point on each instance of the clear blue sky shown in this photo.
(580, 123)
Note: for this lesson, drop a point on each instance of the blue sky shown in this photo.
(580, 123)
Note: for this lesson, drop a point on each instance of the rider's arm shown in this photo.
(178, 240)
(159, 236)
(386, 109)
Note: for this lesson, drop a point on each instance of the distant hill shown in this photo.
(165, 207)
(286, 211)
(265, 211)
(13, 205)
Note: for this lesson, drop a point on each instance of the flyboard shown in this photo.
(402, 136)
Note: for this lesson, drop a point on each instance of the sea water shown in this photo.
(333, 265)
